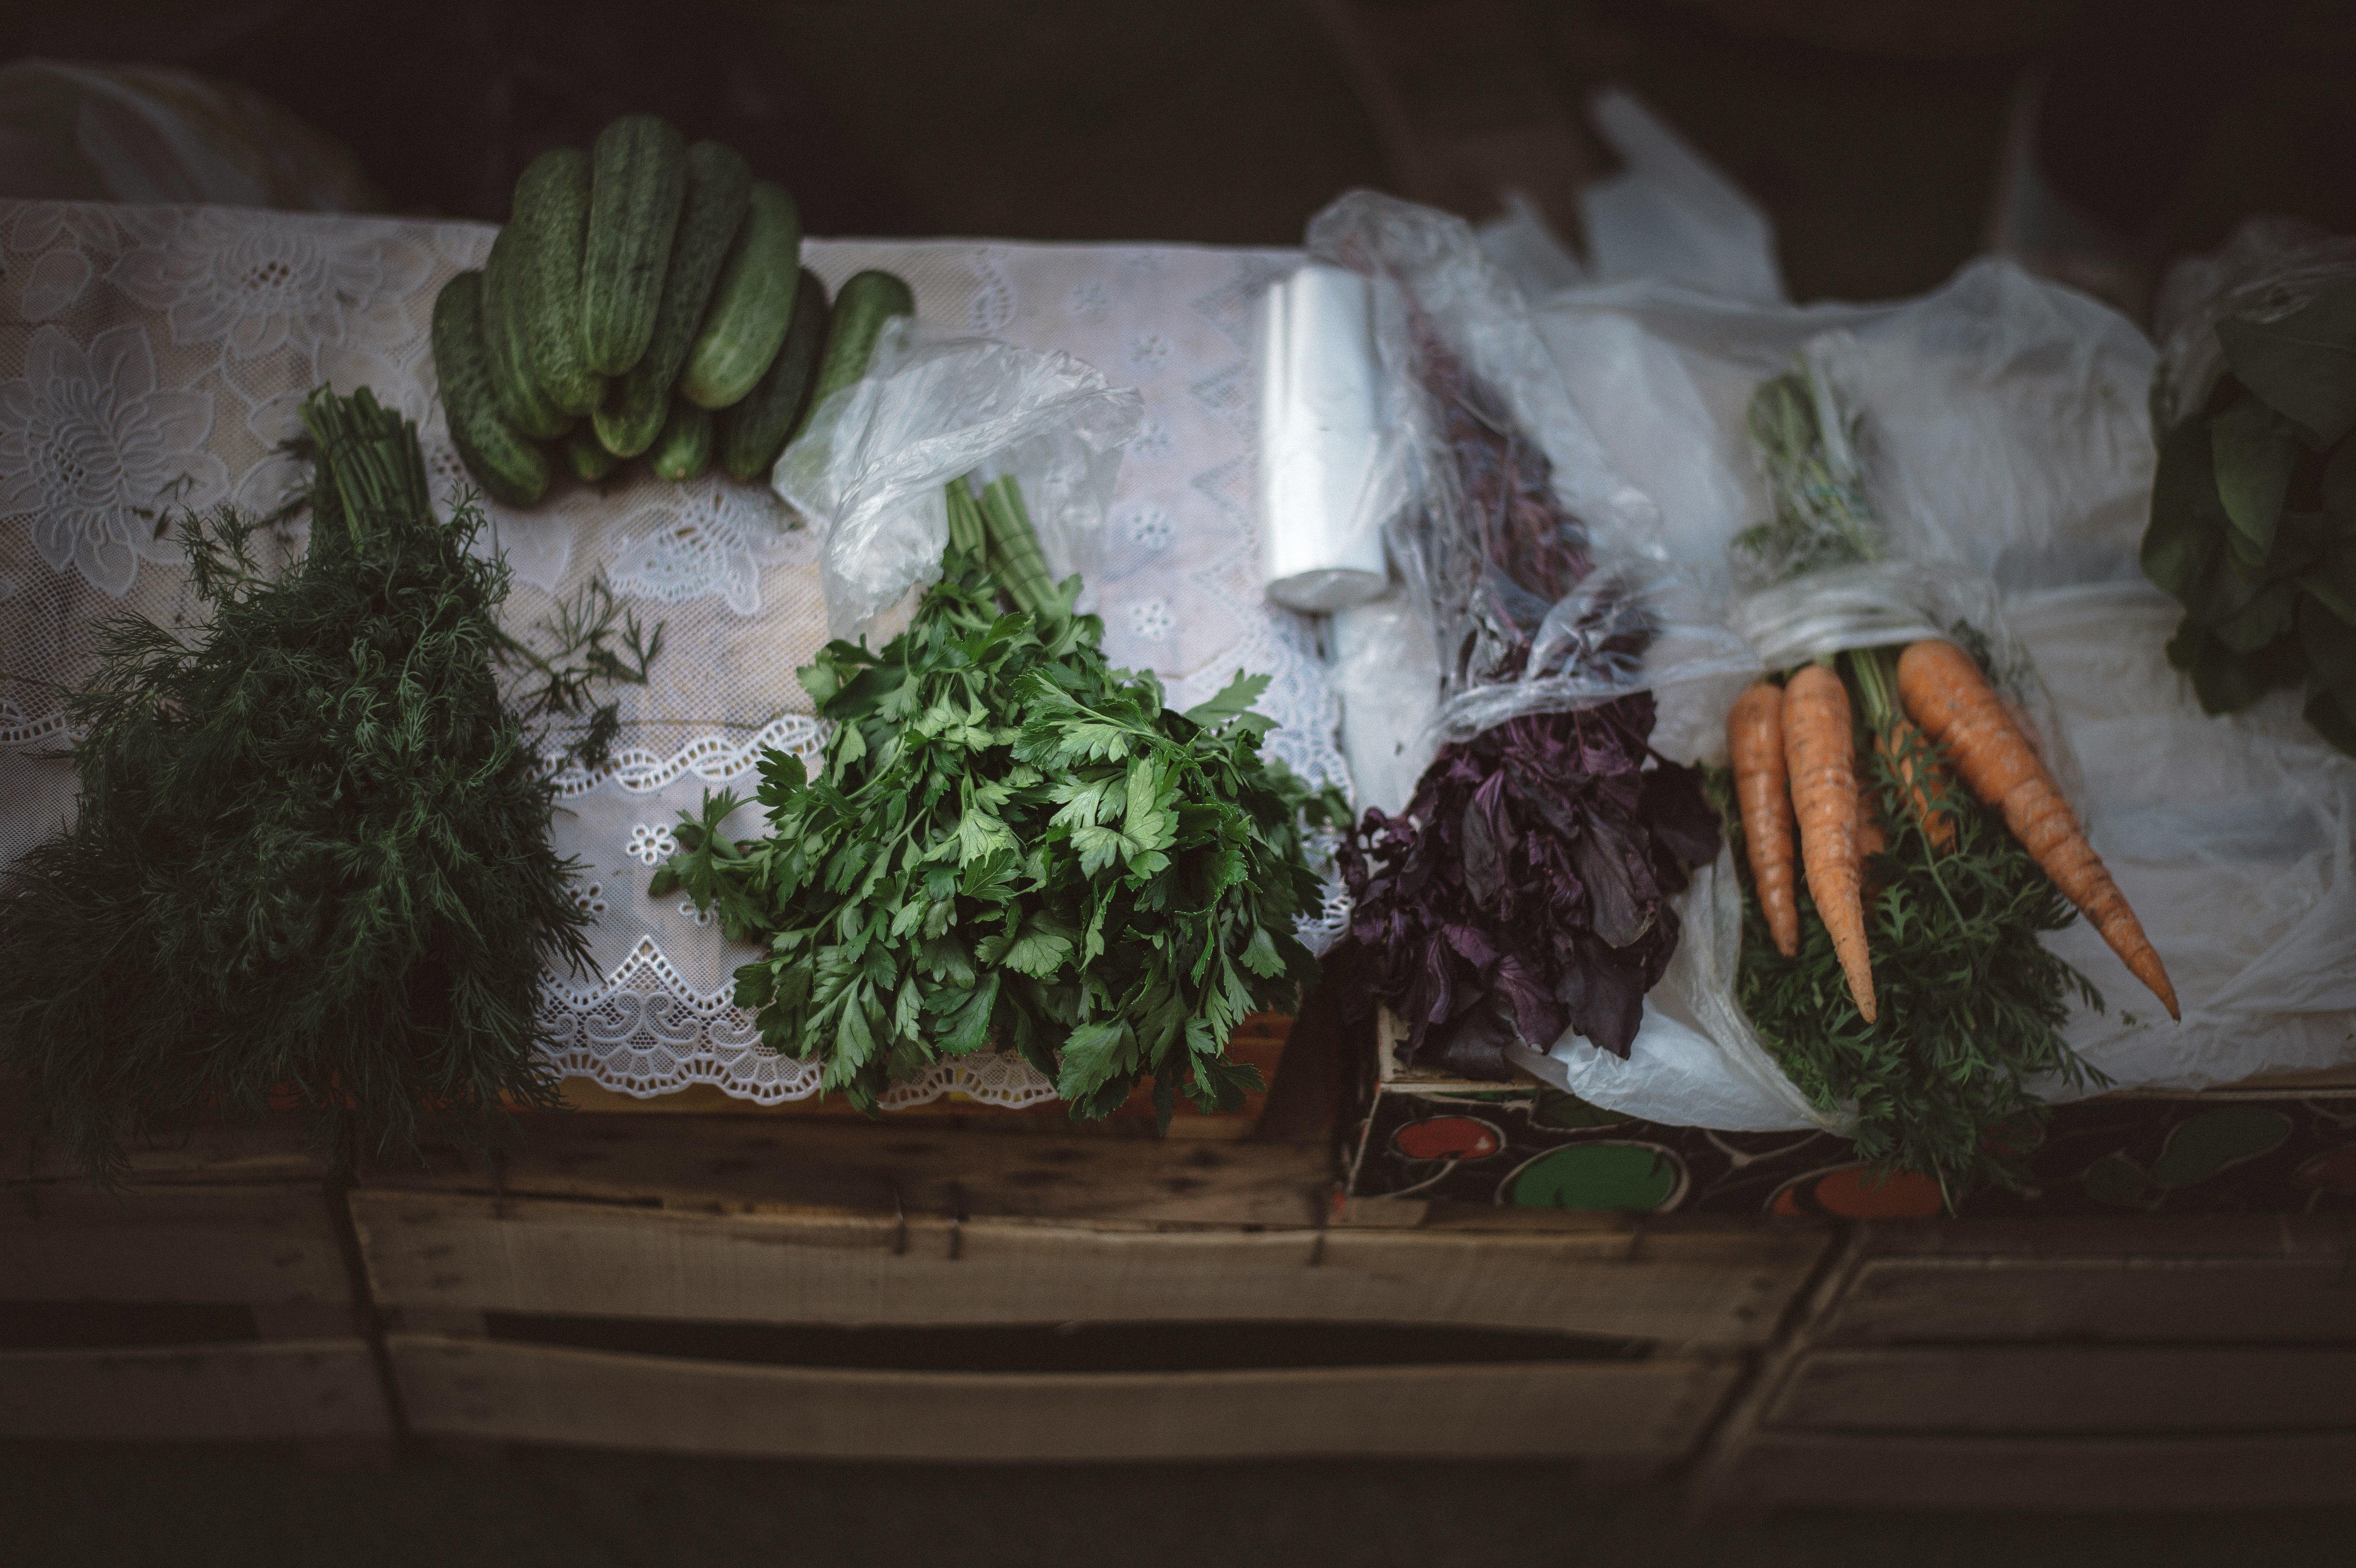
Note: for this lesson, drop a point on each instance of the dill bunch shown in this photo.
(1972, 1003)
(311, 851)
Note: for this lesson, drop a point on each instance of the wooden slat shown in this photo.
(502, 1389)
(299, 1389)
(273, 1148)
(526, 1256)
(259, 1245)
(1785, 1469)
(1897, 1300)
(744, 1164)
(2074, 1388)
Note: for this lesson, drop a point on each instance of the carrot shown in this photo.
(1911, 760)
(1898, 741)
(1871, 839)
(1755, 734)
(1820, 749)
(1946, 694)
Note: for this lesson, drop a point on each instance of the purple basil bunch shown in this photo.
(1527, 886)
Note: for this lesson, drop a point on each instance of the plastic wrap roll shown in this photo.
(1323, 468)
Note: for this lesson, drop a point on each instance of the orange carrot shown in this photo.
(1897, 742)
(1946, 694)
(1820, 750)
(1755, 734)
(1912, 763)
(1871, 839)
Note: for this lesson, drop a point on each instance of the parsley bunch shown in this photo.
(1013, 844)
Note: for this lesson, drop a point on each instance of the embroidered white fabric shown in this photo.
(152, 358)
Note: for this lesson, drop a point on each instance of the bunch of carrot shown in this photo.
(1796, 776)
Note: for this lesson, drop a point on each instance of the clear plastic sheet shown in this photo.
(2006, 448)
(1515, 629)
(870, 471)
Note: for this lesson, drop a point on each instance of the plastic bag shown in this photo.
(2008, 454)
(1330, 466)
(1385, 678)
(870, 472)
(2270, 268)
(1540, 574)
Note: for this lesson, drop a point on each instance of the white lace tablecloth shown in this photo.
(152, 358)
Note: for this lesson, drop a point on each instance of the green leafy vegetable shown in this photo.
(1012, 844)
(1972, 1004)
(1807, 445)
(2254, 518)
(311, 851)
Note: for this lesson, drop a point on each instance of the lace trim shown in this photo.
(644, 1032)
(19, 728)
(712, 758)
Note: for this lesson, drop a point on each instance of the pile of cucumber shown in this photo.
(646, 297)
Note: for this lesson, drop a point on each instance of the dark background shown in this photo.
(1872, 130)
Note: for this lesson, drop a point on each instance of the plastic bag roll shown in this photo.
(1322, 450)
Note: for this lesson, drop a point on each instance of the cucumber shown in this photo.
(509, 467)
(637, 184)
(752, 307)
(719, 186)
(683, 451)
(867, 301)
(551, 223)
(586, 456)
(753, 432)
(526, 405)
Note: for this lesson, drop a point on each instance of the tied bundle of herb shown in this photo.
(1525, 891)
(1013, 844)
(311, 852)
(1534, 868)
(1947, 902)
(2254, 518)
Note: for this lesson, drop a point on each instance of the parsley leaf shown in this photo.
(1013, 844)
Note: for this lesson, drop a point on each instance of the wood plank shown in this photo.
(1785, 1469)
(295, 1389)
(275, 1147)
(444, 1251)
(2150, 1296)
(263, 1245)
(748, 1164)
(2073, 1389)
(504, 1390)
(2110, 1236)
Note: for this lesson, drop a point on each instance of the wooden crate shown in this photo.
(2059, 1364)
(213, 1300)
(750, 1222)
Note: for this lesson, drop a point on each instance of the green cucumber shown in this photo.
(866, 302)
(752, 307)
(753, 432)
(586, 456)
(683, 451)
(522, 399)
(552, 224)
(719, 186)
(637, 184)
(506, 466)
